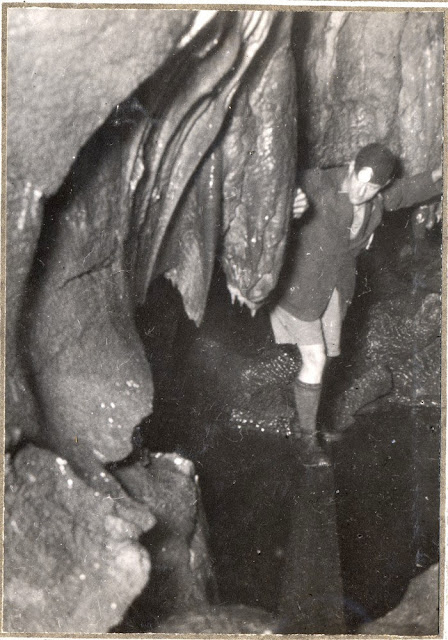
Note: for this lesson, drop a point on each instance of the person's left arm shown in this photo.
(407, 192)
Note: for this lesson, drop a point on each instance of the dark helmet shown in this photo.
(380, 160)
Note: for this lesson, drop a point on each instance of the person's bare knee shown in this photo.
(313, 363)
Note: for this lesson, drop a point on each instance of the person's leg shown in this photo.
(313, 363)
(332, 325)
(332, 320)
(307, 386)
(307, 392)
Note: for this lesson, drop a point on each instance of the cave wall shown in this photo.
(390, 90)
(54, 103)
(371, 76)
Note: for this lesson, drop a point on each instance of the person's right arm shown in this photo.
(408, 192)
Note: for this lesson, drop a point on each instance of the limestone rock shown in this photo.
(399, 362)
(259, 170)
(182, 577)
(108, 230)
(73, 563)
(221, 619)
(421, 93)
(418, 612)
(24, 206)
(67, 69)
(369, 78)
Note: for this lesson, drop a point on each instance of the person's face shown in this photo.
(359, 190)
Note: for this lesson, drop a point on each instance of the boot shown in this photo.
(307, 398)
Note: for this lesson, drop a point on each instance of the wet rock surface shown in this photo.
(403, 353)
(73, 562)
(111, 228)
(91, 380)
(395, 353)
(259, 164)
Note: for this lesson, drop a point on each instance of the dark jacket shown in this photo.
(322, 256)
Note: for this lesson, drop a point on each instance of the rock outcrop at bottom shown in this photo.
(182, 577)
(417, 614)
(72, 558)
(221, 619)
(398, 351)
(77, 561)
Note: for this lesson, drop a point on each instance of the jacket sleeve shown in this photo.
(309, 180)
(407, 192)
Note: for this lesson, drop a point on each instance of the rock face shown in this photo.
(418, 612)
(202, 156)
(397, 357)
(182, 577)
(370, 78)
(104, 234)
(65, 542)
(73, 563)
(259, 168)
(116, 224)
(55, 102)
(23, 226)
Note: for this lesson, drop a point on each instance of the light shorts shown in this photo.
(326, 330)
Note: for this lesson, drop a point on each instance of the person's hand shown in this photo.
(437, 173)
(426, 217)
(300, 204)
(435, 215)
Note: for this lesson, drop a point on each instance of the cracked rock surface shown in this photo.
(72, 558)
(182, 577)
(79, 562)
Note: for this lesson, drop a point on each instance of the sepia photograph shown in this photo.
(224, 389)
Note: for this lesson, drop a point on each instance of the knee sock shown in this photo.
(307, 397)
